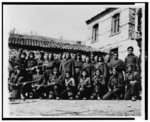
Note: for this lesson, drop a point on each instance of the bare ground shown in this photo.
(36, 107)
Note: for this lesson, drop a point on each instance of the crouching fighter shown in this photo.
(84, 86)
(54, 85)
(99, 85)
(115, 85)
(69, 85)
(133, 84)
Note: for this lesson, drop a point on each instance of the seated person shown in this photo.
(54, 85)
(99, 85)
(69, 85)
(133, 84)
(84, 86)
(115, 85)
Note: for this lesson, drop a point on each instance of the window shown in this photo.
(95, 33)
(115, 23)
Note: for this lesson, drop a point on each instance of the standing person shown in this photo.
(132, 59)
(67, 64)
(117, 63)
(78, 67)
(92, 58)
(99, 84)
(57, 61)
(54, 85)
(31, 63)
(88, 67)
(39, 83)
(48, 65)
(84, 86)
(115, 85)
(102, 66)
(132, 80)
(40, 60)
(70, 86)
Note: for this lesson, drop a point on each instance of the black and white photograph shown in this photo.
(74, 60)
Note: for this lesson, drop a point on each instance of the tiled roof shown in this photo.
(30, 41)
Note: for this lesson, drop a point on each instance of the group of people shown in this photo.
(72, 76)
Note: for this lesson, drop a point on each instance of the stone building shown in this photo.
(114, 29)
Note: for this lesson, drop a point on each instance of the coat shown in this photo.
(103, 68)
(132, 60)
(67, 65)
(118, 64)
(98, 80)
(116, 81)
(89, 68)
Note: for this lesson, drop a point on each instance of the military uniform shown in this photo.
(67, 65)
(100, 88)
(39, 85)
(115, 86)
(89, 69)
(84, 88)
(54, 86)
(118, 64)
(133, 60)
(78, 68)
(133, 84)
(14, 85)
(103, 68)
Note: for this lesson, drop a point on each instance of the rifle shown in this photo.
(22, 83)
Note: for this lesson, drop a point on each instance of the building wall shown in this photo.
(121, 40)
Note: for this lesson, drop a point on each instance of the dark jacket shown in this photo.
(132, 60)
(116, 81)
(103, 68)
(67, 65)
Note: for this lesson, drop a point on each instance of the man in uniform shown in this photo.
(131, 59)
(115, 85)
(132, 80)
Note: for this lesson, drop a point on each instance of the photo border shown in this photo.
(85, 3)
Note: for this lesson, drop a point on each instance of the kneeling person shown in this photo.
(84, 86)
(115, 85)
(69, 85)
(55, 85)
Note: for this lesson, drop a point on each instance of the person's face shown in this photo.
(95, 58)
(100, 59)
(50, 56)
(114, 71)
(46, 56)
(92, 56)
(55, 72)
(37, 70)
(67, 55)
(84, 73)
(129, 69)
(97, 72)
(78, 57)
(55, 57)
(22, 56)
(64, 56)
(67, 75)
(31, 56)
(106, 58)
(115, 56)
(87, 59)
(18, 71)
(73, 56)
(130, 51)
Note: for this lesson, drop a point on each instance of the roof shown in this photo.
(30, 41)
(98, 16)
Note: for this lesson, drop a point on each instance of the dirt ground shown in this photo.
(36, 107)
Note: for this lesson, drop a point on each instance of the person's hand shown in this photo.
(109, 90)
